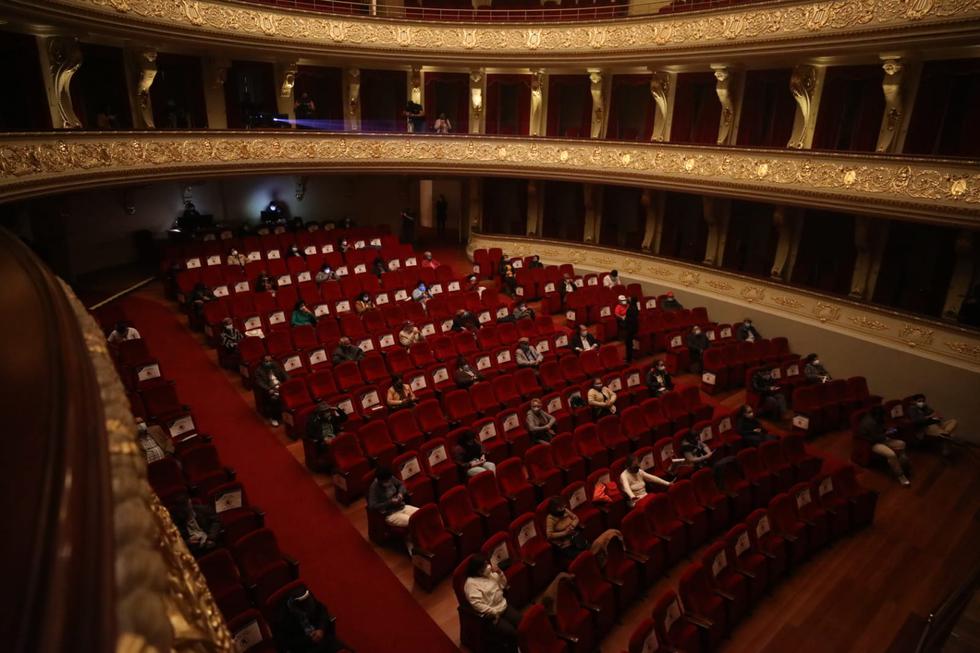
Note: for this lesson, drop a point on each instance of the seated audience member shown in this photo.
(294, 250)
(659, 381)
(473, 285)
(265, 283)
(540, 423)
(563, 531)
(612, 279)
(302, 315)
(619, 311)
(410, 335)
(268, 376)
(535, 263)
(228, 339)
(484, 590)
(465, 320)
(566, 287)
(695, 452)
(326, 273)
(236, 258)
(378, 265)
(697, 343)
(470, 456)
(583, 340)
(156, 444)
(200, 296)
(746, 332)
(772, 402)
(884, 443)
(750, 430)
(970, 308)
(428, 261)
(526, 355)
(928, 423)
(122, 331)
(387, 496)
(305, 626)
(421, 294)
(442, 125)
(814, 371)
(198, 525)
(602, 399)
(465, 374)
(325, 423)
(634, 480)
(523, 311)
(343, 246)
(345, 351)
(363, 303)
(400, 394)
(670, 303)
(508, 278)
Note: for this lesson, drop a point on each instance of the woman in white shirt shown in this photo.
(634, 480)
(484, 590)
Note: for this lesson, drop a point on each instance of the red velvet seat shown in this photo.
(597, 593)
(590, 447)
(264, 568)
(536, 634)
(351, 468)
(805, 465)
(500, 551)
(543, 474)
(759, 478)
(663, 519)
(716, 502)
(811, 513)
(787, 525)
(748, 561)
(567, 458)
(376, 443)
(439, 465)
(573, 619)
(434, 548)
(515, 487)
(487, 501)
(673, 627)
(534, 550)
(702, 602)
(590, 519)
(768, 543)
(724, 575)
(771, 455)
(863, 501)
(690, 511)
(430, 418)
(826, 491)
(224, 582)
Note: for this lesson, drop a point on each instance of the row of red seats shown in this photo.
(725, 365)
(896, 417)
(823, 407)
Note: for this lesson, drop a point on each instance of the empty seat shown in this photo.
(264, 568)
(434, 548)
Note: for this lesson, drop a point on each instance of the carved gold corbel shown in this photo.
(415, 84)
(724, 77)
(802, 84)
(477, 76)
(537, 101)
(661, 89)
(352, 113)
(598, 107)
(64, 59)
(147, 62)
(892, 86)
(287, 80)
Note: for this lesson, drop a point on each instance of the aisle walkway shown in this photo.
(375, 613)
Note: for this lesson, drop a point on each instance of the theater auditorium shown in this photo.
(495, 326)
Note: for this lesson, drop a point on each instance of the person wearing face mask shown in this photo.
(612, 279)
(697, 344)
(540, 423)
(670, 303)
(634, 480)
(631, 326)
(746, 332)
(750, 430)
(523, 311)
(305, 626)
(198, 525)
(562, 530)
(326, 273)
(156, 444)
(772, 402)
(465, 320)
(695, 452)
(814, 371)
(269, 375)
(566, 287)
(929, 424)
(294, 251)
(470, 456)
(400, 394)
(363, 303)
(410, 335)
(345, 351)
(421, 294)
(526, 355)
(883, 443)
(465, 375)
(602, 399)
(484, 590)
(122, 332)
(428, 261)
(228, 340)
(302, 315)
(379, 266)
(387, 496)
(583, 340)
(325, 423)
(236, 258)
(659, 381)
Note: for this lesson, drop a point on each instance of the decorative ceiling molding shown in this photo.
(772, 27)
(929, 339)
(924, 189)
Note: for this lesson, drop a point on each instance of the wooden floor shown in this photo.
(854, 596)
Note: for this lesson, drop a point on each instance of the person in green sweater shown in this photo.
(302, 315)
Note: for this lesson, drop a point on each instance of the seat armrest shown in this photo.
(725, 595)
(591, 607)
(788, 537)
(699, 620)
(293, 565)
(685, 520)
(768, 555)
(665, 538)
(571, 639)
(638, 557)
(745, 572)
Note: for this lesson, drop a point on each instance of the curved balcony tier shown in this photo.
(822, 28)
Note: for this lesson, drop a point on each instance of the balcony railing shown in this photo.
(569, 11)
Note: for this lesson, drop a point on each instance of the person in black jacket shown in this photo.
(325, 423)
(772, 400)
(658, 380)
(306, 627)
(928, 423)
(465, 320)
(583, 340)
(269, 375)
(746, 332)
(670, 303)
(814, 371)
(697, 343)
(198, 525)
(750, 430)
(883, 442)
(631, 326)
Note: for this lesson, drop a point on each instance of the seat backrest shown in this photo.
(510, 476)
(425, 526)
(535, 633)
(455, 506)
(483, 489)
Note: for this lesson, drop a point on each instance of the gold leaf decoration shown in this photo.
(868, 323)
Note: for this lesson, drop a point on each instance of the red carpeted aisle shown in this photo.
(375, 613)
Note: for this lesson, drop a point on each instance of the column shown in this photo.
(60, 59)
(141, 70)
(478, 88)
(728, 86)
(592, 214)
(870, 236)
(598, 84)
(415, 89)
(964, 270)
(425, 203)
(899, 85)
(215, 74)
(663, 88)
(787, 221)
(535, 207)
(285, 80)
(648, 200)
(806, 85)
(475, 205)
(717, 212)
(539, 85)
(352, 99)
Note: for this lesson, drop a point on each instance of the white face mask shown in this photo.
(920, 404)
(816, 361)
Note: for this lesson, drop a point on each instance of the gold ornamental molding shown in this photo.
(924, 189)
(850, 24)
(929, 339)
